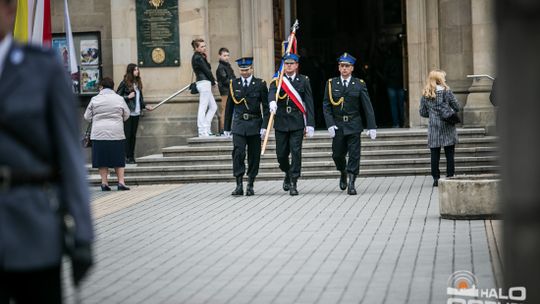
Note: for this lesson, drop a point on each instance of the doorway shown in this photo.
(373, 31)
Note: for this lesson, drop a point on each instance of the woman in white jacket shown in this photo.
(107, 111)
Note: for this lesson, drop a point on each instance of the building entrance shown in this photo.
(370, 30)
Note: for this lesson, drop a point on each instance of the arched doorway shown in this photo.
(371, 30)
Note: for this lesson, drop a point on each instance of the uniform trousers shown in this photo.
(239, 155)
(29, 287)
(130, 130)
(206, 102)
(436, 156)
(290, 143)
(341, 144)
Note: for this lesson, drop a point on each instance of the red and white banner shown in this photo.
(294, 96)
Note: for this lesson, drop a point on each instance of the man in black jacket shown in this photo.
(343, 98)
(247, 112)
(42, 174)
(294, 117)
(224, 74)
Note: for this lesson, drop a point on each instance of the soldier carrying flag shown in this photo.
(291, 102)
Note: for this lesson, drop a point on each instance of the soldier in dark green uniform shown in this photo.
(247, 112)
(344, 97)
(292, 120)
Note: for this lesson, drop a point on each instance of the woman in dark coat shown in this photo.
(131, 90)
(436, 98)
(205, 81)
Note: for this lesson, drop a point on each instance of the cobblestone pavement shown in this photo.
(197, 244)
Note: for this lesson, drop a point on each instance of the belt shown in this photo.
(290, 109)
(9, 178)
(248, 116)
(344, 118)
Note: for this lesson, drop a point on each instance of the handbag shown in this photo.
(447, 113)
(86, 141)
(193, 86)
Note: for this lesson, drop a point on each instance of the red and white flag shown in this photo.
(73, 68)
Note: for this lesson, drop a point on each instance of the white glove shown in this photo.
(332, 131)
(263, 133)
(310, 131)
(227, 134)
(372, 133)
(273, 106)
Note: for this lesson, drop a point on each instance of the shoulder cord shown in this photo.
(280, 97)
(236, 101)
(334, 103)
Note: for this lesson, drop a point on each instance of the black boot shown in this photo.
(239, 188)
(343, 180)
(292, 190)
(352, 189)
(286, 182)
(249, 190)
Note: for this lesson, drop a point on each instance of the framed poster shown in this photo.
(89, 52)
(60, 46)
(90, 77)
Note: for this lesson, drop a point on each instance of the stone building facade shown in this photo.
(454, 35)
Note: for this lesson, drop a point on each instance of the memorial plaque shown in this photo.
(157, 33)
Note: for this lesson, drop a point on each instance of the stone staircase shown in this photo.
(395, 152)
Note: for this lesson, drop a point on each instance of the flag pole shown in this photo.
(278, 88)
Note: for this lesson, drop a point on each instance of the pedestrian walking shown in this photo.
(205, 81)
(437, 98)
(224, 75)
(42, 174)
(246, 117)
(345, 97)
(294, 117)
(107, 111)
(131, 90)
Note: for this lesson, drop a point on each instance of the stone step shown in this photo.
(367, 145)
(322, 136)
(159, 160)
(327, 165)
(171, 179)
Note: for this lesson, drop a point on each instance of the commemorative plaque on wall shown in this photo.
(157, 33)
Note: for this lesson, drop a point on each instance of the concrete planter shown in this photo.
(469, 197)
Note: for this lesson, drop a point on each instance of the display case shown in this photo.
(89, 60)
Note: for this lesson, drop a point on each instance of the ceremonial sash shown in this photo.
(294, 96)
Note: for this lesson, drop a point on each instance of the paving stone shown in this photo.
(197, 244)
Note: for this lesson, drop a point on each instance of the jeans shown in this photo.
(436, 156)
(206, 102)
(397, 100)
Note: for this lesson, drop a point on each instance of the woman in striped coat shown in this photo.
(436, 97)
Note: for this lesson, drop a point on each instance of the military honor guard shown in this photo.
(294, 117)
(344, 97)
(246, 116)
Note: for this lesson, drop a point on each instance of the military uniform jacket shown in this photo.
(37, 105)
(247, 118)
(294, 120)
(346, 116)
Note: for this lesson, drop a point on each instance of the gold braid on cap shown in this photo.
(340, 100)
(280, 97)
(236, 101)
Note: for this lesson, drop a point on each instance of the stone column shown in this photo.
(478, 111)
(257, 36)
(263, 38)
(418, 56)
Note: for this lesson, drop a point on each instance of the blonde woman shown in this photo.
(436, 97)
